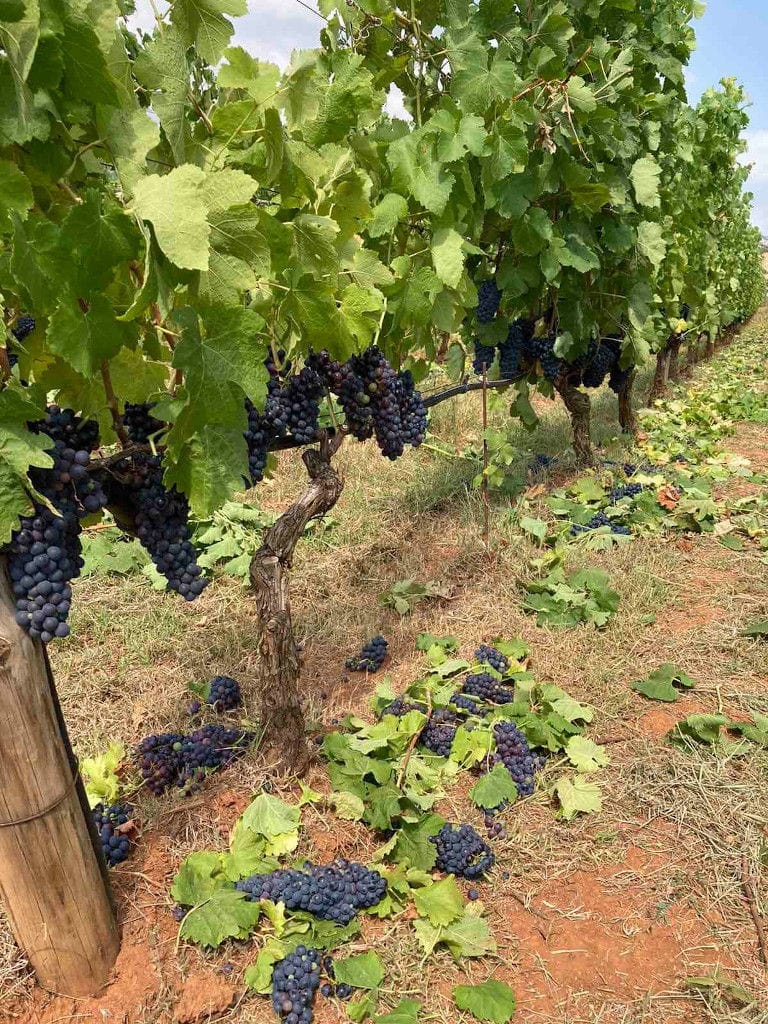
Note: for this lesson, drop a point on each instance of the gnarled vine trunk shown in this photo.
(627, 417)
(673, 370)
(579, 406)
(281, 710)
(660, 377)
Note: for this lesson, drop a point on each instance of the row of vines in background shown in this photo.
(205, 258)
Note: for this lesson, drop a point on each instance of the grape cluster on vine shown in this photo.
(488, 302)
(332, 892)
(461, 851)
(45, 553)
(374, 398)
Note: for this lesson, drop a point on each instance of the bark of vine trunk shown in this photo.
(579, 406)
(281, 707)
(693, 354)
(660, 377)
(627, 417)
(710, 350)
(52, 881)
(673, 371)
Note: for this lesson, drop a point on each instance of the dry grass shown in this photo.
(658, 870)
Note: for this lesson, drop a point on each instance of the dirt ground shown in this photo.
(609, 919)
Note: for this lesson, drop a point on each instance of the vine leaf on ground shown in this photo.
(577, 796)
(406, 1012)
(364, 971)
(756, 629)
(492, 1001)
(495, 788)
(585, 755)
(662, 684)
(227, 914)
(100, 775)
(277, 821)
(197, 879)
(468, 936)
(441, 902)
(697, 729)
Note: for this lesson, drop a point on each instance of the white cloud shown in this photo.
(271, 30)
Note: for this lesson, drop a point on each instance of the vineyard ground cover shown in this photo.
(617, 910)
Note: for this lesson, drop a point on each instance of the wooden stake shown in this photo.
(51, 879)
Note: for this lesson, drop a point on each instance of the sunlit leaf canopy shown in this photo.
(173, 209)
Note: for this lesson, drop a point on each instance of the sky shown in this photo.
(732, 41)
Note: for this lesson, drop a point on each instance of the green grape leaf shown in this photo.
(495, 788)
(645, 176)
(448, 256)
(363, 971)
(102, 784)
(175, 206)
(406, 1012)
(198, 878)
(469, 936)
(202, 23)
(269, 816)
(491, 1001)
(19, 449)
(412, 844)
(699, 729)
(441, 903)
(585, 755)
(662, 684)
(577, 796)
(15, 193)
(226, 914)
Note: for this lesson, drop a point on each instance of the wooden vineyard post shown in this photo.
(51, 881)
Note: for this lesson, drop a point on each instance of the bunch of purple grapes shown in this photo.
(597, 522)
(439, 732)
(513, 751)
(333, 892)
(44, 554)
(461, 851)
(114, 845)
(295, 981)
(174, 759)
(488, 302)
(224, 693)
(487, 688)
(490, 656)
(371, 657)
